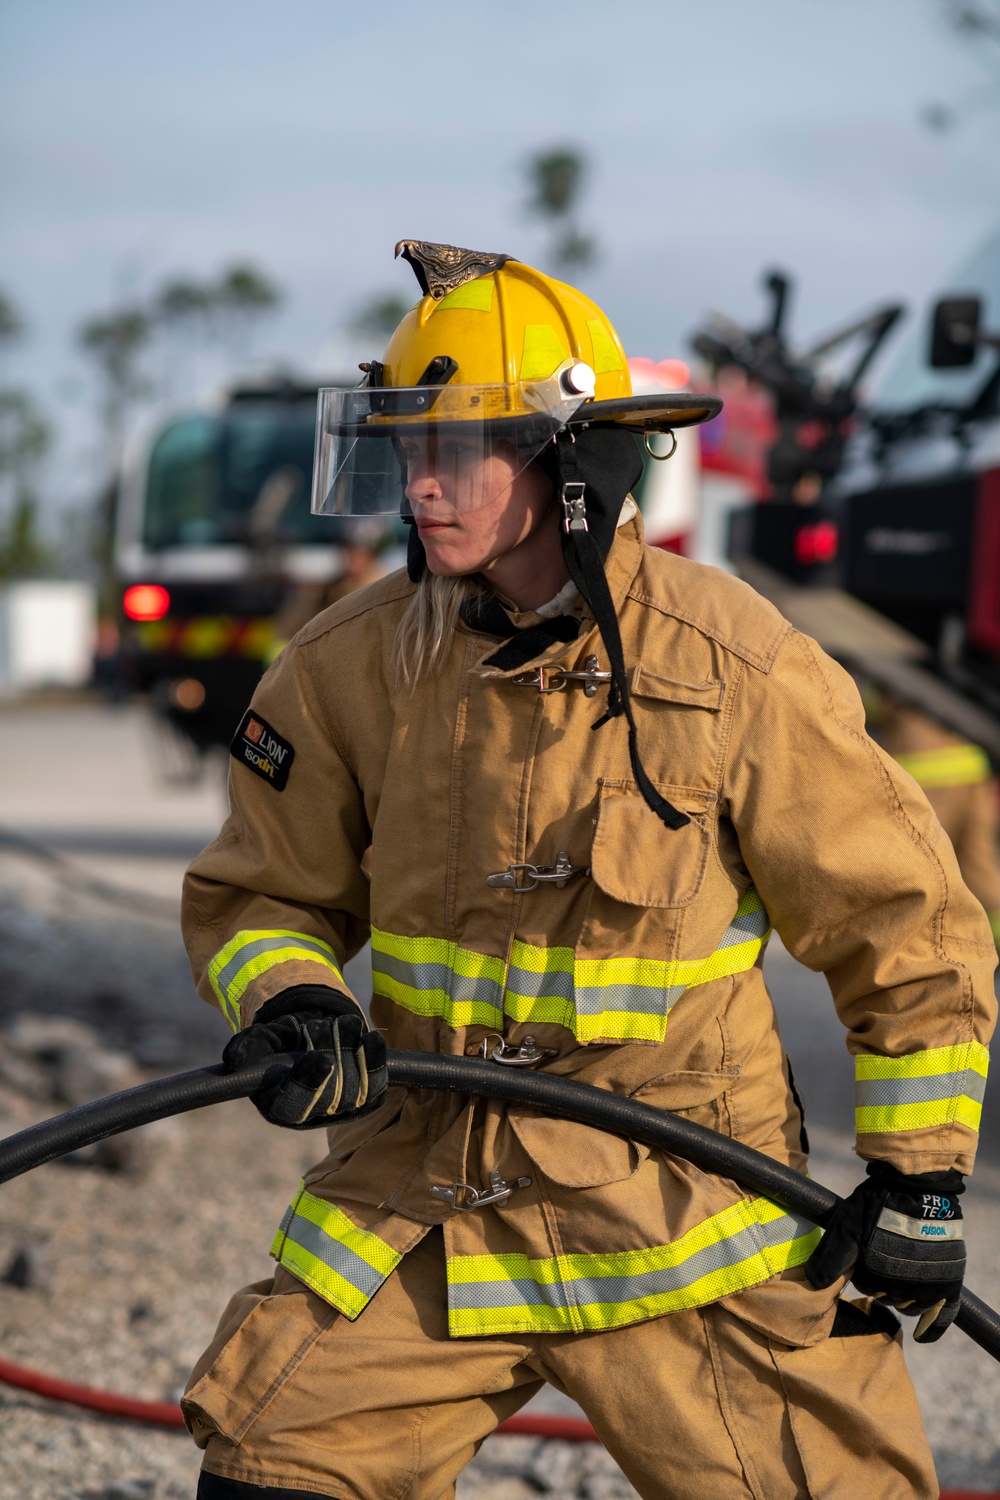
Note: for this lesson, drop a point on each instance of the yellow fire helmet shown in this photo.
(492, 362)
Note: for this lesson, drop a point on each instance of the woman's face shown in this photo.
(471, 508)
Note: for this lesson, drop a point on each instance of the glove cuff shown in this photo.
(308, 999)
(915, 1183)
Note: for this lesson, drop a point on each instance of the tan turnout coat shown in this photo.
(642, 972)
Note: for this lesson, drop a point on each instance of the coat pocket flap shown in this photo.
(575, 1155)
(636, 860)
(708, 695)
(685, 1089)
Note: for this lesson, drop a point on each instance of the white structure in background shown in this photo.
(687, 502)
(46, 635)
(668, 492)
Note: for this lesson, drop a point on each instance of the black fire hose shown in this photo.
(460, 1075)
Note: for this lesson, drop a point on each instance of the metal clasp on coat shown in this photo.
(522, 1056)
(466, 1199)
(556, 874)
(554, 679)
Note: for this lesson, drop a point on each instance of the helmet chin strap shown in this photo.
(586, 566)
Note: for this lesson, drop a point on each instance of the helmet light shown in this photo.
(579, 380)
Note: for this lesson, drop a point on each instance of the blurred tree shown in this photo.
(25, 439)
(181, 312)
(23, 554)
(182, 301)
(555, 180)
(239, 300)
(11, 322)
(379, 316)
(976, 23)
(182, 305)
(11, 331)
(25, 436)
(115, 342)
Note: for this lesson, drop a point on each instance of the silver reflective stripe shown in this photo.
(593, 999)
(582, 1291)
(363, 1277)
(554, 984)
(923, 1090)
(254, 949)
(921, 1229)
(432, 976)
(751, 924)
(641, 999)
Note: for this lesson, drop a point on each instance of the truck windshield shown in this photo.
(910, 382)
(240, 478)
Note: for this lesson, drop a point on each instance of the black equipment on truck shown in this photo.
(890, 504)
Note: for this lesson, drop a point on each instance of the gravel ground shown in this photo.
(128, 1269)
(112, 1306)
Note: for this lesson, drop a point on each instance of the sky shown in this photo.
(144, 140)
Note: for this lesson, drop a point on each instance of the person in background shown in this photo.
(958, 782)
(361, 541)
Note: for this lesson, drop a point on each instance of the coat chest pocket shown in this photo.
(681, 728)
(708, 694)
(638, 861)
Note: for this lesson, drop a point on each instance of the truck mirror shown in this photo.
(955, 332)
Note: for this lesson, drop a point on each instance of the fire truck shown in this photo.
(875, 521)
(214, 540)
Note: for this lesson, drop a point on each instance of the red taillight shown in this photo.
(146, 601)
(816, 543)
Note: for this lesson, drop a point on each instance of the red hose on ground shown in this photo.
(168, 1414)
(156, 1413)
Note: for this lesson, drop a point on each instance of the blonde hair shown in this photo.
(424, 633)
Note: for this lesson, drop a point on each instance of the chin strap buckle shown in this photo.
(573, 506)
(465, 1199)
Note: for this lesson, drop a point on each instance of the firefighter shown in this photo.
(960, 786)
(360, 542)
(567, 784)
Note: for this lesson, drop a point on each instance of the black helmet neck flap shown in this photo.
(592, 470)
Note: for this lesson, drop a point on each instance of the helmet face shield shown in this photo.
(381, 450)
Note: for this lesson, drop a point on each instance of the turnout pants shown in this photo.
(748, 1397)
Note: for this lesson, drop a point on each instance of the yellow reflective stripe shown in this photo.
(154, 635)
(621, 999)
(542, 353)
(885, 1118)
(343, 1264)
(922, 1090)
(434, 977)
(927, 1064)
(950, 765)
(259, 640)
(208, 636)
(745, 1244)
(252, 953)
(474, 296)
(606, 356)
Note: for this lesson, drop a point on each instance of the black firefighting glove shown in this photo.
(903, 1236)
(343, 1073)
